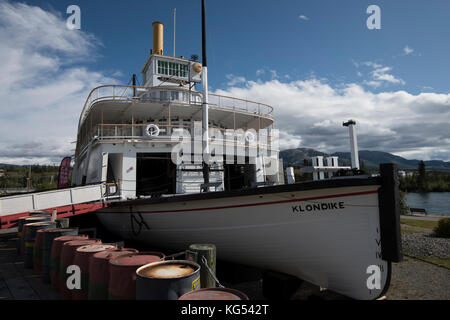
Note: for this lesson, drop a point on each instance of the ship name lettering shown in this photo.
(318, 207)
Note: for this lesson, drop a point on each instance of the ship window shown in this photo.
(164, 95)
(174, 95)
(163, 67)
(172, 69)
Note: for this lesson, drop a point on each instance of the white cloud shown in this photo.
(260, 72)
(407, 50)
(379, 75)
(310, 113)
(234, 80)
(303, 17)
(43, 84)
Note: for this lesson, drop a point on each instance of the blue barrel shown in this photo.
(49, 236)
(30, 236)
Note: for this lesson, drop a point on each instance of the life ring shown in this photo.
(249, 137)
(152, 130)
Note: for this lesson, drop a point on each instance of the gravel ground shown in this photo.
(413, 279)
(425, 245)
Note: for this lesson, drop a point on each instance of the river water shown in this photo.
(433, 202)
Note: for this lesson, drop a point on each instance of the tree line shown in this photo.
(423, 181)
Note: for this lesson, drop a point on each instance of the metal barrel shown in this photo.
(37, 251)
(167, 280)
(67, 257)
(214, 294)
(99, 272)
(122, 273)
(49, 236)
(82, 259)
(32, 219)
(55, 256)
(20, 223)
(30, 237)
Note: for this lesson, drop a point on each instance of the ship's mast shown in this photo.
(205, 117)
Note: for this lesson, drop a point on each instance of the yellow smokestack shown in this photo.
(158, 37)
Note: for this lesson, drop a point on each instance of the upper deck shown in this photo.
(122, 111)
(110, 97)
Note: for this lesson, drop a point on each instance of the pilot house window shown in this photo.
(172, 69)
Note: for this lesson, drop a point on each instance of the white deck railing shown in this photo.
(121, 93)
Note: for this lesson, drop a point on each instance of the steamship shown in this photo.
(142, 142)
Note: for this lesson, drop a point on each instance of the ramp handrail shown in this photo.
(51, 199)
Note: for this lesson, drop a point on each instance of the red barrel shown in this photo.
(82, 259)
(214, 294)
(122, 273)
(67, 256)
(99, 272)
(55, 256)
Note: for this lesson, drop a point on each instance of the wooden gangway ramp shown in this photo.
(67, 202)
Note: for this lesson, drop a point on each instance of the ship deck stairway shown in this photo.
(67, 202)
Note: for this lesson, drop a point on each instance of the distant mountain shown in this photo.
(372, 159)
(296, 156)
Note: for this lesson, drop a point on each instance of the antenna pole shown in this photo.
(174, 28)
(205, 116)
(134, 85)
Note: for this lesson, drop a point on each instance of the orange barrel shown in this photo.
(122, 273)
(35, 218)
(55, 256)
(49, 236)
(214, 294)
(30, 237)
(82, 259)
(67, 257)
(99, 272)
(167, 280)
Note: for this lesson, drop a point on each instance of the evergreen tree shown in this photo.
(422, 178)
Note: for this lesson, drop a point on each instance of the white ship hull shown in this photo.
(328, 236)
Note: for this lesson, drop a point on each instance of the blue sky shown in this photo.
(245, 36)
(316, 62)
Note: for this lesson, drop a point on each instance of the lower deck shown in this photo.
(133, 170)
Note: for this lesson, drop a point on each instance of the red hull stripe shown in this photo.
(257, 204)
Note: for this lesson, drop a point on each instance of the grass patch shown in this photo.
(408, 229)
(440, 262)
(419, 223)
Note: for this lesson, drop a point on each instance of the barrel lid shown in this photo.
(95, 247)
(58, 230)
(137, 259)
(214, 294)
(114, 253)
(169, 269)
(47, 230)
(42, 223)
(81, 242)
(71, 237)
(37, 218)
